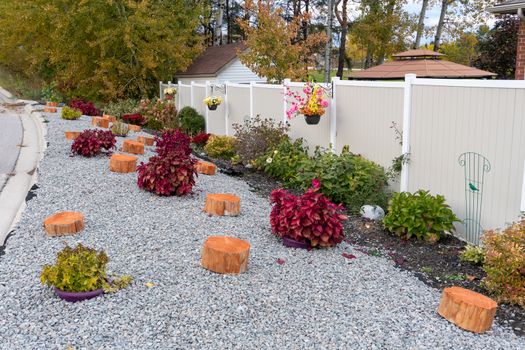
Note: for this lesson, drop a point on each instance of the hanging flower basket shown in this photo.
(169, 93)
(212, 102)
(212, 107)
(312, 103)
(312, 119)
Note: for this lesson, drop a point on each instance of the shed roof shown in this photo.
(510, 6)
(213, 59)
(418, 53)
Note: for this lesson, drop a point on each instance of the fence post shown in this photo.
(252, 83)
(207, 110)
(407, 115)
(179, 96)
(161, 94)
(226, 110)
(285, 103)
(192, 94)
(333, 115)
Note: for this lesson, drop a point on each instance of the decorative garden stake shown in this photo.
(475, 166)
(312, 105)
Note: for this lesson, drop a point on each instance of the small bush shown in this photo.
(283, 162)
(167, 175)
(50, 93)
(120, 107)
(200, 139)
(120, 129)
(134, 119)
(173, 141)
(70, 113)
(505, 263)
(309, 218)
(191, 121)
(86, 108)
(222, 147)
(419, 214)
(90, 142)
(255, 137)
(159, 114)
(81, 269)
(473, 254)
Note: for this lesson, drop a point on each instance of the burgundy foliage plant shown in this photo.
(134, 119)
(173, 140)
(201, 139)
(90, 142)
(309, 218)
(87, 108)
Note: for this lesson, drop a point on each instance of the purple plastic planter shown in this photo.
(292, 243)
(73, 297)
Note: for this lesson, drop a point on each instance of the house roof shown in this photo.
(416, 62)
(213, 59)
(511, 6)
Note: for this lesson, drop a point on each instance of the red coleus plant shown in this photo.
(135, 119)
(90, 142)
(310, 218)
(168, 174)
(87, 108)
(201, 139)
(173, 140)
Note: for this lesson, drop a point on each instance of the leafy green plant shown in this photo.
(473, 254)
(191, 121)
(256, 136)
(222, 147)
(419, 214)
(120, 129)
(454, 277)
(120, 107)
(283, 161)
(81, 269)
(70, 113)
(505, 263)
(159, 114)
(50, 93)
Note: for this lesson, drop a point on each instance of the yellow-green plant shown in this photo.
(119, 128)
(220, 147)
(505, 263)
(70, 113)
(81, 269)
(473, 254)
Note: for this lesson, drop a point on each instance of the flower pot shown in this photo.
(52, 104)
(73, 297)
(212, 107)
(292, 243)
(312, 119)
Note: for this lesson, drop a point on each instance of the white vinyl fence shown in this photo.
(463, 138)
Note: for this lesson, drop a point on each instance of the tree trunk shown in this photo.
(328, 48)
(342, 17)
(421, 24)
(228, 23)
(439, 29)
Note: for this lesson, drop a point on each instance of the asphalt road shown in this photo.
(11, 133)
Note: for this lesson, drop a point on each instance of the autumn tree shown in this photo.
(275, 48)
(462, 50)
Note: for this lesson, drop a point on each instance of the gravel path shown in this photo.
(315, 300)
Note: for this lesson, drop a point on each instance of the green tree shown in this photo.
(462, 50)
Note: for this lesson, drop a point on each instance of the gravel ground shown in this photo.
(315, 300)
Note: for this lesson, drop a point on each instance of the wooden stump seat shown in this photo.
(100, 122)
(222, 204)
(48, 109)
(134, 147)
(224, 254)
(205, 168)
(111, 118)
(71, 135)
(135, 128)
(147, 140)
(64, 223)
(467, 309)
(51, 104)
(122, 163)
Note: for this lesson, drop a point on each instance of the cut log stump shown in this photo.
(134, 147)
(222, 204)
(205, 168)
(111, 118)
(123, 163)
(64, 223)
(224, 254)
(71, 135)
(51, 104)
(48, 109)
(467, 309)
(135, 128)
(147, 140)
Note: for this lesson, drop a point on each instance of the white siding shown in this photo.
(236, 72)
(198, 80)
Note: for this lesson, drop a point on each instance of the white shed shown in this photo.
(219, 64)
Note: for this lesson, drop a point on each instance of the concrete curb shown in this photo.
(13, 195)
(6, 94)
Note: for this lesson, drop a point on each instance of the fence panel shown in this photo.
(199, 94)
(268, 102)
(217, 119)
(184, 96)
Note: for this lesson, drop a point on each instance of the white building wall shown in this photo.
(236, 72)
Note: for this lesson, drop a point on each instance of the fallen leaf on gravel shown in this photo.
(149, 284)
(349, 256)
(280, 261)
(470, 277)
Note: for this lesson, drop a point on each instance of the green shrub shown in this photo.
(191, 122)
(346, 178)
(256, 136)
(70, 113)
(283, 161)
(120, 107)
(505, 263)
(159, 114)
(80, 269)
(50, 93)
(473, 254)
(419, 214)
(222, 147)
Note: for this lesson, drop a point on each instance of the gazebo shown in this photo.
(423, 63)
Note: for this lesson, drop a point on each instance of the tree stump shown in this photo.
(103, 123)
(147, 140)
(123, 163)
(48, 109)
(205, 168)
(71, 135)
(467, 309)
(222, 204)
(135, 128)
(224, 254)
(134, 147)
(94, 121)
(51, 104)
(64, 223)
(111, 118)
